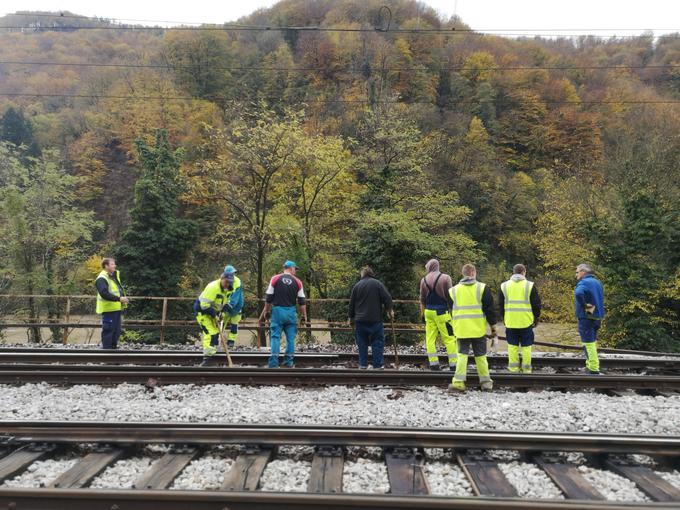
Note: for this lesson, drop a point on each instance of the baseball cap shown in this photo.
(228, 273)
(289, 263)
(229, 269)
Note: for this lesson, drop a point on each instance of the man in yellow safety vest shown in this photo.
(111, 301)
(472, 310)
(521, 305)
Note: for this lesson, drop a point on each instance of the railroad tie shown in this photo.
(485, 476)
(568, 478)
(647, 480)
(86, 469)
(245, 474)
(405, 472)
(19, 459)
(327, 467)
(163, 472)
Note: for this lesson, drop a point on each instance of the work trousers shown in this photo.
(112, 327)
(587, 329)
(373, 334)
(519, 340)
(438, 322)
(284, 319)
(479, 349)
(211, 333)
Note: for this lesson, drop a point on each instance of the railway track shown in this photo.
(96, 447)
(159, 375)
(193, 358)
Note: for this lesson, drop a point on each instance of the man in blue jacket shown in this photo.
(589, 304)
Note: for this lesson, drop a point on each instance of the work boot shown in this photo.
(456, 389)
(231, 344)
(452, 368)
(435, 368)
(365, 367)
(592, 372)
(487, 385)
(289, 365)
(208, 361)
(379, 368)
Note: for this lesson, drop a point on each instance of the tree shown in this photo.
(44, 233)
(17, 129)
(638, 256)
(155, 246)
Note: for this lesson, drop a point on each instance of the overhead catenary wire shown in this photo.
(345, 69)
(312, 100)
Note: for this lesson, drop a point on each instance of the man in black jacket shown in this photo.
(369, 298)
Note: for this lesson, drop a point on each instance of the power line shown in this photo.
(340, 101)
(346, 69)
(489, 30)
(318, 29)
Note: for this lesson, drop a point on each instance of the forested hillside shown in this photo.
(387, 137)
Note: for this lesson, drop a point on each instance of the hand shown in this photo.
(590, 308)
(228, 309)
(390, 314)
(124, 299)
(494, 344)
(493, 331)
(535, 323)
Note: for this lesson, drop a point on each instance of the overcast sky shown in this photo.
(618, 17)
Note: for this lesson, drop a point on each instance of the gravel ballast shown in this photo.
(123, 474)
(365, 476)
(340, 405)
(41, 473)
(612, 486)
(205, 473)
(530, 481)
(286, 475)
(446, 479)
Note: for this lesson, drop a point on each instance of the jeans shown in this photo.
(112, 328)
(284, 318)
(373, 333)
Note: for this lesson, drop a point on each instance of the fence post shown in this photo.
(163, 317)
(68, 319)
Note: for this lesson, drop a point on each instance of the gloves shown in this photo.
(210, 311)
(228, 309)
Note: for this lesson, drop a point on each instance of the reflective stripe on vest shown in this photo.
(517, 305)
(468, 317)
(214, 296)
(104, 305)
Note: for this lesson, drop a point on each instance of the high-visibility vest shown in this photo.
(104, 305)
(215, 297)
(468, 317)
(518, 314)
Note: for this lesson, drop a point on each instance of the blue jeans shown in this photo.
(523, 337)
(373, 333)
(587, 328)
(284, 318)
(111, 329)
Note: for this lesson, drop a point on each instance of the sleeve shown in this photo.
(487, 306)
(385, 297)
(269, 294)
(423, 292)
(300, 293)
(580, 296)
(352, 299)
(535, 301)
(501, 302)
(103, 290)
(205, 300)
(236, 300)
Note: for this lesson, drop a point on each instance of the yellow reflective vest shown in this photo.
(516, 304)
(104, 305)
(468, 317)
(215, 297)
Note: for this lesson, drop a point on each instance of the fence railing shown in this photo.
(41, 312)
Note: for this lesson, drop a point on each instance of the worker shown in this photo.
(589, 304)
(283, 292)
(435, 303)
(472, 310)
(111, 301)
(521, 305)
(366, 304)
(219, 304)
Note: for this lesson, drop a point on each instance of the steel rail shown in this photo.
(16, 432)
(73, 356)
(92, 499)
(155, 376)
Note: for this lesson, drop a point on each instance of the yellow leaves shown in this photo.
(479, 66)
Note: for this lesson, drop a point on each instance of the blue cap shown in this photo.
(289, 263)
(229, 269)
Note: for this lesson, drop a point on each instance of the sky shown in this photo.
(602, 17)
